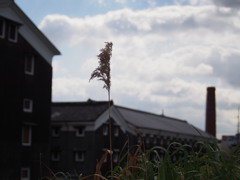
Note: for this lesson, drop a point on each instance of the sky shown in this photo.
(165, 54)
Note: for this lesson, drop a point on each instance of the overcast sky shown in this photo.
(165, 53)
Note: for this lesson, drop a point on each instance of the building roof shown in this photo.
(10, 10)
(78, 111)
(145, 120)
(131, 120)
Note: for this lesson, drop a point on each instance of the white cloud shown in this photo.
(121, 1)
(100, 1)
(162, 57)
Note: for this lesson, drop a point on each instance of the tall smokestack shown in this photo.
(211, 112)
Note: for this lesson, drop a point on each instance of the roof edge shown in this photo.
(29, 22)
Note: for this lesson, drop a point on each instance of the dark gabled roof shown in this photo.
(145, 120)
(10, 10)
(133, 120)
(78, 111)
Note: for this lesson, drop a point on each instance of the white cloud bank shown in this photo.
(163, 58)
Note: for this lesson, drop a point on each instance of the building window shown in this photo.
(105, 130)
(161, 142)
(26, 135)
(155, 141)
(25, 173)
(29, 65)
(13, 33)
(56, 131)
(147, 140)
(79, 156)
(115, 155)
(80, 131)
(139, 139)
(116, 131)
(2, 28)
(27, 105)
(55, 156)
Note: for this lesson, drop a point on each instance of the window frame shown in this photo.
(30, 108)
(116, 131)
(57, 157)
(78, 158)
(29, 141)
(115, 156)
(77, 131)
(26, 64)
(2, 35)
(56, 131)
(28, 171)
(15, 38)
(105, 130)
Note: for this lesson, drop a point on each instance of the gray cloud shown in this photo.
(228, 3)
(226, 67)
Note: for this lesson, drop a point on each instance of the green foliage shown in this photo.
(208, 163)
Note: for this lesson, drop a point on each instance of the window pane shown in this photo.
(79, 156)
(116, 131)
(25, 173)
(80, 131)
(55, 156)
(105, 130)
(27, 105)
(26, 135)
(12, 33)
(29, 65)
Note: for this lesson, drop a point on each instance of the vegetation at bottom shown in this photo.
(177, 162)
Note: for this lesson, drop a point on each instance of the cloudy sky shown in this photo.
(165, 53)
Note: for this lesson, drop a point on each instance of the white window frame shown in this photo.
(115, 155)
(27, 169)
(105, 130)
(16, 33)
(55, 156)
(116, 131)
(27, 109)
(77, 131)
(79, 156)
(32, 59)
(29, 143)
(3, 29)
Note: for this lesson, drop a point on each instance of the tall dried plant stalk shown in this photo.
(102, 73)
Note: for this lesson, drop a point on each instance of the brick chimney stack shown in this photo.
(211, 112)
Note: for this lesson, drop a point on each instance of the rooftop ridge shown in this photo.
(150, 113)
(89, 101)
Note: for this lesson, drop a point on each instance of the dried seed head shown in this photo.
(102, 72)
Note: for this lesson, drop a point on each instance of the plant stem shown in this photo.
(110, 133)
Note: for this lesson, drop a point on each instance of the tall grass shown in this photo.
(103, 73)
(209, 162)
(159, 163)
